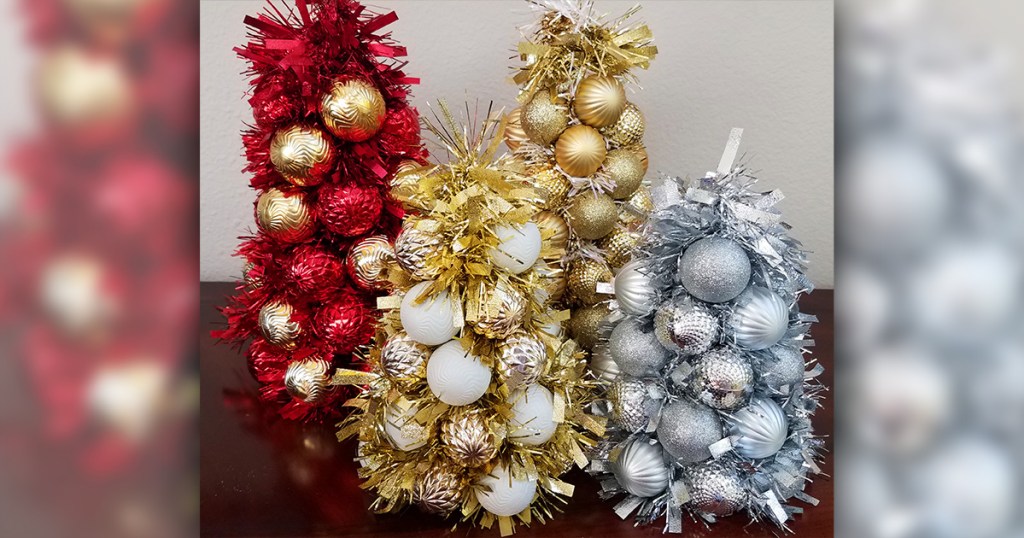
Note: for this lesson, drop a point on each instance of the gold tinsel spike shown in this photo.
(526, 516)
(593, 424)
(578, 456)
(636, 34)
(506, 526)
(349, 431)
(389, 302)
(561, 315)
(520, 215)
(521, 194)
(559, 412)
(487, 520)
(477, 269)
(469, 506)
(344, 376)
(559, 487)
(502, 206)
(358, 403)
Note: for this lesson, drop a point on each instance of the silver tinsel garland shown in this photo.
(723, 205)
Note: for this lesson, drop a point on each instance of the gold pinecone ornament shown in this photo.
(438, 491)
(468, 439)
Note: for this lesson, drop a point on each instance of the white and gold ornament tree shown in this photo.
(580, 140)
(474, 403)
(711, 396)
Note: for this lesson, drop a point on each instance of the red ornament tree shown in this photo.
(332, 125)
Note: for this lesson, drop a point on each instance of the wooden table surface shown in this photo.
(266, 477)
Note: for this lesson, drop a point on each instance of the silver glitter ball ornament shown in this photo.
(714, 488)
(759, 429)
(521, 359)
(634, 290)
(686, 326)
(722, 378)
(404, 359)
(686, 428)
(636, 350)
(785, 368)
(759, 320)
(602, 364)
(631, 403)
(640, 468)
(415, 250)
(714, 269)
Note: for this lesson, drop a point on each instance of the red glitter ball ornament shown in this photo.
(313, 268)
(349, 210)
(345, 323)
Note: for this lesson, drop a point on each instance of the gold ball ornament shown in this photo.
(416, 252)
(629, 128)
(618, 246)
(551, 279)
(252, 278)
(403, 359)
(353, 110)
(585, 325)
(301, 154)
(277, 325)
(467, 439)
(641, 152)
(544, 117)
(76, 88)
(309, 380)
(368, 262)
(624, 167)
(285, 216)
(599, 101)
(553, 230)
(405, 184)
(584, 275)
(580, 150)
(438, 490)
(502, 311)
(592, 216)
(514, 133)
(635, 209)
(552, 182)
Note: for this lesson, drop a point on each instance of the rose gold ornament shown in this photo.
(580, 150)
(599, 101)
(368, 262)
(438, 490)
(285, 216)
(353, 110)
(467, 439)
(301, 154)
(403, 359)
(277, 325)
(544, 117)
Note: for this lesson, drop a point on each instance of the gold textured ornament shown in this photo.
(514, 133)
(301, 154)
(553, 229)
(544, 117)
(636, 208)
(521, 360)
(252, 280)
(277, 325)
(599, 101)
(618, 246)
(502, 311)
(285, 216)
(585, 324)
(309, 380)
(438, 490)
(624, 167)
(584, 275)
(592, 216)
(415, 251)
(368, 262)
(467, 439)
(403, 359)
(629, 128)
(580, 150)
(353, 110)
(554, 184)
(405, 184)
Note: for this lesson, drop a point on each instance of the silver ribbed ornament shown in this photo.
(502, 311)
(722, 378)
(634, 290)
(714, 269)
(404, 359)
(784, 368)
(687, 428)
(602, 364)
(640, 468)
(308, 380)
(686, 326)
(438, 490)
(413, 249)
(714, 488)
(759, 319)
(631, 404)
(759, 429)
(521, 359)
(636, 350)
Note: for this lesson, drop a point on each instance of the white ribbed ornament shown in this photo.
(402, 429)
(760, 319)
(640, 468)
(431, 322)
(456, 376)
(634, 290)
(518, 249)
(508, 495)
(759, 429)
(533, 420)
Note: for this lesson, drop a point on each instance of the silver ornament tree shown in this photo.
(710, 395)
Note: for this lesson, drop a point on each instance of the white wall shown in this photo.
(765, 66)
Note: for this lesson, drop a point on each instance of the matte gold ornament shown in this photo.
(413, 250)
(301, 154)
(584, 275)
(599, 101)
(553, 229)
(502, 311)
(592, 216)
(554, 184)
(618, 246)
(544, 117)
(353, 110)
(277, 324)
(368, 262)
(625, 169)
(641, 152)
(309, 380)
(467, 439)
(521, 360)
(580, 150)
(514, 133)
(405, 184)
(438, 490)
(585, 325)
(629, 128)
(403, 359)
(285, 216)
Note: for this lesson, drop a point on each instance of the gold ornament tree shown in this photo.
(473, 404)
(580, 140)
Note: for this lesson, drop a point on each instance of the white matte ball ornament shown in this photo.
(456, 376)
(431, 322)
(760, 319)
(533, 412)
(518, 249)
(508, 495)
(402, 429)
(640, 468)
(714, 269)
(634, 290)
(758, 430)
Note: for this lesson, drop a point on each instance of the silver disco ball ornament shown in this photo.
(636, 350)
(759, 429)
(722, 378)
(714, 488)
(640, 468)
(631, 403)
(686, 326)
(634, 290)
(760, 319)
(714, 269)
(687, 428)
(785, 368)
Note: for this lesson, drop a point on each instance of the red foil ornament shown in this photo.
(313, 269)
(349, 210)
(345, 323)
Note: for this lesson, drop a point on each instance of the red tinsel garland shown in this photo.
(295, 55)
